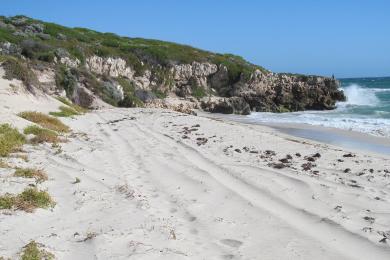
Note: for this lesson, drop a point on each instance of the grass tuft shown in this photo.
(10, 139)
(65, 112)
(37, 174)
(28, 200)
(77, 108)
(42, 135)
(45, 121)
(32, 251)
(7, 201)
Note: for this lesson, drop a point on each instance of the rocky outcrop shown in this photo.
(282, 93)
(189, 76)
(113, 67)
(198, 72)
(233, 105)
(148, 73)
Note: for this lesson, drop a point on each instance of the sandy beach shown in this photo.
(158, 184)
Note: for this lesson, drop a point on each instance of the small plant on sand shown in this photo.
(32, 251)
(37, 174)
(65, 112)
(77, 180)
(42, 135)
(75, 107)
(10, 139)
(7, 201)
(45, 121)
(88, 236)
(28, 200)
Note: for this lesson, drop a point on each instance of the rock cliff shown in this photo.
(88, 66)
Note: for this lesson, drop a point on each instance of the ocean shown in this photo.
(366, 110)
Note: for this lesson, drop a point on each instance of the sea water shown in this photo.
(366, 110)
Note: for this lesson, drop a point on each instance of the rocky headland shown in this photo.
(95, 69)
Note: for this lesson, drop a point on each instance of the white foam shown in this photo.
(359, 96)
(374, 126)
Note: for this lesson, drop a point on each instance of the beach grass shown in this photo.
(65, 112)
(32, 251)
(75, 107)
(45, 121)
(42, 135)
(10, 139)
(28, 200)
(37, 174)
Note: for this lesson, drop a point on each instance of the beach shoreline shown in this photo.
(346, 139)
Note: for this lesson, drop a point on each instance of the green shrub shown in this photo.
(16, 69)
(130, 100)
(66, 79)
(32, 198)
(7, 201)
(198, 92)
(10, 139)
(159, 94)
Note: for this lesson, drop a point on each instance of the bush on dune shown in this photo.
(16, 69)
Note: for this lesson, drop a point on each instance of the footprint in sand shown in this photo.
(231, 242)
(194, 231)
(191, 218)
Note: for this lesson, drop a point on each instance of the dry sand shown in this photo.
(157, 184)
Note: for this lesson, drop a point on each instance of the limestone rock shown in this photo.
(71, 63)
(232, 105)
(113, 67)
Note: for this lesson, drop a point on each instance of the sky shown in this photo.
(347, 38)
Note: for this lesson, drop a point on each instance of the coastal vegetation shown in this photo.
(65, 112)
(90, 66)
(45, 121)
(46, 42)
(37, 174)
(32, 251)
(28, 200)
(80, 110)
(41, 135)
(10, 139)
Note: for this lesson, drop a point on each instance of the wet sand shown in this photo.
(333, 136)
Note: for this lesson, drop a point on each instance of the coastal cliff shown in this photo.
(90, 67)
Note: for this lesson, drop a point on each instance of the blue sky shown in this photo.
(349, 38)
